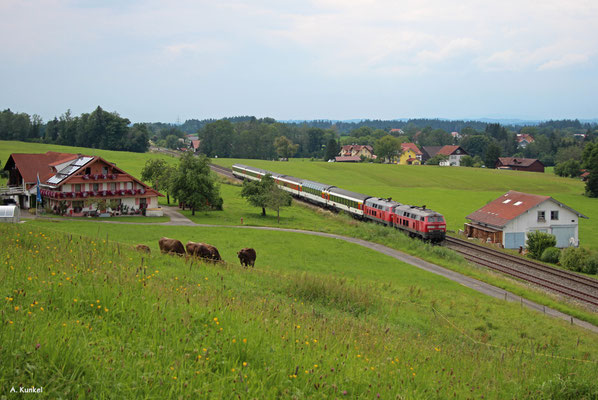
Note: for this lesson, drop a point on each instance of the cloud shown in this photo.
(565, 61)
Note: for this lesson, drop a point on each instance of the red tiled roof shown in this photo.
(517, 162)
(507, 207)
(448, 150)
(524, 136)
(29, 165)
(195, 144)
(412, 146)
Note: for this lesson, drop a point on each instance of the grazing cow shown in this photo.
(143, 248)
(214, 254)
(171, 246)
(203, 250)
(247, 256)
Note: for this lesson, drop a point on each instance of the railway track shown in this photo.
(566, 283)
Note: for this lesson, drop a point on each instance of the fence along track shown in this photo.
(567, 283)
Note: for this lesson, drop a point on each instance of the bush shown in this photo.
(538, 241)
(580, 259)
(551, 255)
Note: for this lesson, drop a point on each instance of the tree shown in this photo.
(475, 145)
(172, 142)
(256, 192)
(159, 174)
(332, 150)
(266, 194)
(570, 168)
(592, 166)
(492, 154)
(277, 198)
(437, 159)
(194, 185)
(466, 161)
(387, 147)
(538, 241)
(284, 147)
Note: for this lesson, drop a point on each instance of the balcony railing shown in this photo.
(91, 193)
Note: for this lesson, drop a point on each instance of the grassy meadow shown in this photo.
(454, 192)
(84, 316)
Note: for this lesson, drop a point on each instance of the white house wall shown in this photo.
(528, 222)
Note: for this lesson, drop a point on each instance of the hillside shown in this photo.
(455, 192)
(90, 317)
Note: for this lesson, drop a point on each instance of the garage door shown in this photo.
(514, 240)
(563, 234)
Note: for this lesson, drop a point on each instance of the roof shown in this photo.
(29, 165)
(431, 150)
(524, 136)
(509, 206)
(347, 158)
(448, 150)
(518, 162)
(357, 147)
(411, 146)
(195, 144)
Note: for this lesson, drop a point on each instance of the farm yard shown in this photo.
(316, 317)
(82, 315)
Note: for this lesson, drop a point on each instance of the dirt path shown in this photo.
(178, 219)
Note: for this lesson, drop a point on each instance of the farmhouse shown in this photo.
(523, 140)
(520, 164)
(77, 185)
(357, 150)
(410, 154)
(508, 219)
(454, 154)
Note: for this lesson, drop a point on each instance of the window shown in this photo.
(541, 216)
(96, 187)
(554, 215)
(113, 186)
(105, 170)
(77, 187)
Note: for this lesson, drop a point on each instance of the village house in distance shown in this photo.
(354, 152)
(508, 219)
(77, 184)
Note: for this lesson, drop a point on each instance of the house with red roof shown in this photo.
(520, 164)
(508, 220)
(454, 154)
(410, 154)
(523, 140)
(77, 184)
(357, 150)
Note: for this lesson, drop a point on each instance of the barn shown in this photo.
(520, 164)
(508, 219)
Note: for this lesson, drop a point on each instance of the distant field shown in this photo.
(454, 192)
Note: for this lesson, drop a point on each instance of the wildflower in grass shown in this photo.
(234, 340)
(244, 340)
(244, 363)
(437, 348)
(41, 308)
(17, 308)
(105, 309)
(232, 369)
(75, 300)
(10, 322)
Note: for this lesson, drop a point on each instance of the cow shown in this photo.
(203, 250)
(143, 248)
(247, 256)
(171, 246)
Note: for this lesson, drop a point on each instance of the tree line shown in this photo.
(99, 129)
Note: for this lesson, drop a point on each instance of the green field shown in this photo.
(86, 317)
(454, 192)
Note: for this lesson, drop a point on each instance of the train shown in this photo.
(416, 221)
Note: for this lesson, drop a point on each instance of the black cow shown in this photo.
(247, 256)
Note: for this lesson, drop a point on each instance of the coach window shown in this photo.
(554, 215)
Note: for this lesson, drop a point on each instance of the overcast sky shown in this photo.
(153, 60)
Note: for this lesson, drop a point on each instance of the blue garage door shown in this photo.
(563, 234)
(514, 240)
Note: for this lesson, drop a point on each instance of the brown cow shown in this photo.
(203, 250)
(143, 248)
(247, 256)
(171, 246)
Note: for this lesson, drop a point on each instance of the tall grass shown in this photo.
(89, 318)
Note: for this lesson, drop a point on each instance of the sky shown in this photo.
(170, 61)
